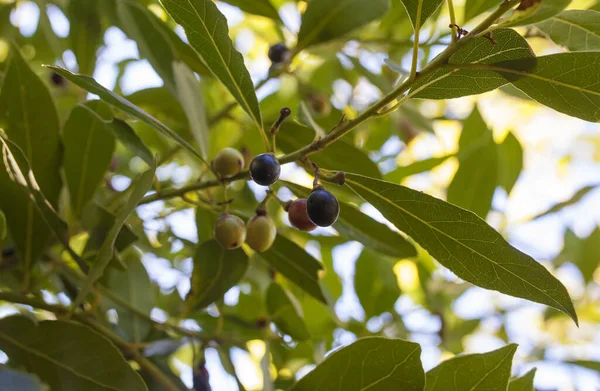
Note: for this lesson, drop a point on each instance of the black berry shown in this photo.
(279, 53)
(265, 169)
(298, 216)
(230, 231)
(323, 208)
(58, 80)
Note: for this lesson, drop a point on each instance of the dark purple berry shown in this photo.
(279, 53)
(323, 208)
(58, 80)
(200, 378)
(265, 169)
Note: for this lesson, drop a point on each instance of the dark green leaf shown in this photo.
(464, 243)
(132, 286)
(161, 103)
(446, 83)
(105, 254)
(510, 153)
(574, 29)
(53, 350)
(29, 118)
(143, 27)
(476, 7)
(356, 225)
(297, 265)
(205, 223)
(340, 155)
(11, 380)
(540, 11)
(375, 283)
(216, 270)
(565, 82)
(207, 31)
(523, 383)
(188, 91)
(90, 85)
(126, 135)
(286, 313)
(3, 228)
(420, 10)
(475, 182)
(374, 364)
(487, 371)
(399, 174)
(85, 33)
(583, 253)
(257, 7)
(88, 149)
(578, 196)
(325, 20)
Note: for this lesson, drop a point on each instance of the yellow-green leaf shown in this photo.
(420, 10)
(523, 383)
(574, 29)
(286, 312)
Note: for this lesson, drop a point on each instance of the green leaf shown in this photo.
(475, 182)
(592, 365)
(375, 283)
(142, 26)
(583, 253)
(207, 32)
(488, 371)
(358, 226)
(256, 7)
(205, 223)
(523, 383)
(286, 313)
(29, 119)
(188, 91)
(511, 161)
(400, 173)
(474, 8)
(340, 155)
(53, 350)
(578, 196)
(3, 228)
(325, 20)
(295, 264)
(126, 135)
(562, 81)
(464, 243)
(420, 10)
(540, 11)
(575, 29)
(374, 364)
(447, 83)
(141, 187)
(88, 150)
(132, 286)
(11, 380)
(216, 270)
(85, 33)
(90, 85)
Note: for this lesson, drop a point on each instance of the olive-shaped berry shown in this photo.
(265, 169)
(298, 216)
(230, 231)
(228, 162)
(279, 53)
(323, 208)
(261, 232)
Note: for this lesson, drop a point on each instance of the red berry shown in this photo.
(298, 216)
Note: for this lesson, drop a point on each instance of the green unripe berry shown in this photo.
(230, 231)
(228, 162)
(261, 233)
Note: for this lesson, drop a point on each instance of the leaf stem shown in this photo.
(415, 56)
(452, 20)
(370, 112)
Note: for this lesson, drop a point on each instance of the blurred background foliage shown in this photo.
(534, 179)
